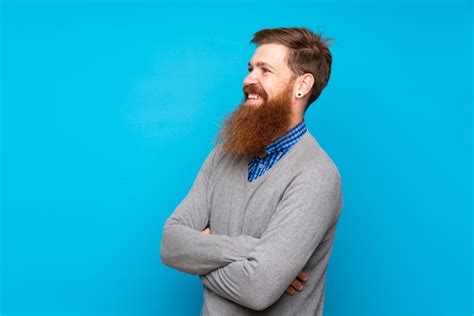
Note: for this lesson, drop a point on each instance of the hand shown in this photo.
(207, 231)
(297, 284)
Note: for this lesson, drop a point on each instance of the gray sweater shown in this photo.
(264, 232)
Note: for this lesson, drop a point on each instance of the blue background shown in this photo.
(108, 110)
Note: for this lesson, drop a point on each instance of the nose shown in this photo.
(250, 79)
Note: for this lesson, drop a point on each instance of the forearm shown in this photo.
(305, 215)
(249, 282)
(194, 252)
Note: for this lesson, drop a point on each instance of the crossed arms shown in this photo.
(252, 272)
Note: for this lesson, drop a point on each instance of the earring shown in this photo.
(299, 94)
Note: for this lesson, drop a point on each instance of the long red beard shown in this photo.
(249, 129)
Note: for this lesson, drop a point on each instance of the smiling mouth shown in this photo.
(252, 97)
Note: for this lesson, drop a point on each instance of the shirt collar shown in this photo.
(288, 139)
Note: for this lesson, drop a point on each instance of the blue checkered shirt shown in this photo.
(275, 151)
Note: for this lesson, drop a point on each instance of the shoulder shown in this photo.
(313, 163)
(317, 178)
(220, 160)
(217, 161)
(214, 154)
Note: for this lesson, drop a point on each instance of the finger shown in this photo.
(297, 285)
(290, 291)
(303, 276)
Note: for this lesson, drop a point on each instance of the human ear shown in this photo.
(305, 85)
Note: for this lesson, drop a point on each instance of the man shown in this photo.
(258, 224)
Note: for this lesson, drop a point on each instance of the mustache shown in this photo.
(254, 89)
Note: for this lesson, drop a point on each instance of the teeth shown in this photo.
(253, 96)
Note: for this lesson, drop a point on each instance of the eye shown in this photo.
(265, 70)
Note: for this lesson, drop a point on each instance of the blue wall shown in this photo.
(109, 109)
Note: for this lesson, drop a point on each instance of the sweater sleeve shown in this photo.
(309, 207)
(183, 244)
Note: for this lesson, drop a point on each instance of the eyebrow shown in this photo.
(261, 64)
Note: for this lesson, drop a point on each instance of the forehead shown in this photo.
(271, 54)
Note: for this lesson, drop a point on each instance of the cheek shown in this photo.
(269, 90)
(272, 92)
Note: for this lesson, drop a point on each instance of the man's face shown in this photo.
(268, 74)
(265, 113)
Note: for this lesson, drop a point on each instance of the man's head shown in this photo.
(287, 72)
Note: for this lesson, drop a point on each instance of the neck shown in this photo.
(295, 120)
